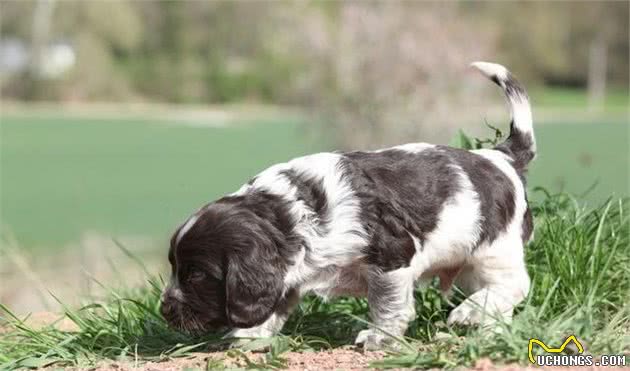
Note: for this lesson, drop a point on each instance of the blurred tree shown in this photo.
(370, 60)
(390, 70)
(551, 41)
(42, 18)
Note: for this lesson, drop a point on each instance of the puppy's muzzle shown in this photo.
(169, 306)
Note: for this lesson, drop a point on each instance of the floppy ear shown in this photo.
(254, 284)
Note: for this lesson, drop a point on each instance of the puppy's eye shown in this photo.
(196, 276)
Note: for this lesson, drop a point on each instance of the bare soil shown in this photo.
(338, 359)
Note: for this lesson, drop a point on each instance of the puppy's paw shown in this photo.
(251, 339)
(238, 343)
(465, 315)
(473, 315)
(372, 339)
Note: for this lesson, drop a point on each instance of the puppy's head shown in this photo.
(227, 271)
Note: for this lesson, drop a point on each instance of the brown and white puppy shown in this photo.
(362, 223)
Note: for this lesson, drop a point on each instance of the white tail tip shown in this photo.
(491, 69)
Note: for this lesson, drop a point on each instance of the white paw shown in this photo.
(248, 337)
(372, 339)
(254, 332)
(240, 342)
(469, 314)
(465, 314)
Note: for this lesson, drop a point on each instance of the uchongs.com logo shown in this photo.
(553, 356)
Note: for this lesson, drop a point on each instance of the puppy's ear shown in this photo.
(254, 284)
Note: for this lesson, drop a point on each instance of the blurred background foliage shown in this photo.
(365, 64)
(288, 52)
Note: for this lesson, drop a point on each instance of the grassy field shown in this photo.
(590, 159)
(558, 97)
(62, 176)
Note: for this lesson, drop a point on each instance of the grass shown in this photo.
(590, 160)
(580, 268)
(557, 97)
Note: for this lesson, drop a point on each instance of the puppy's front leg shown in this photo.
(390, 297)
(272, 326)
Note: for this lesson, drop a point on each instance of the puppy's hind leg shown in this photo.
(391, 301)
(497, 281)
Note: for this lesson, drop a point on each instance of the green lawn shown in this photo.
(615, 100)
(579, 158)
(126, 177)
(62, 176)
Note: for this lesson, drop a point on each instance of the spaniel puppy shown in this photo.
(371, 224)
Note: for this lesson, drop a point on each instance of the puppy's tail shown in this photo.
(520, 144)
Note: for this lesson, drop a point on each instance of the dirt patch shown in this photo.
(337, 359)
(487, 365)
(334, 359)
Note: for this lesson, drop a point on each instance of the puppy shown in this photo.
(361, 223)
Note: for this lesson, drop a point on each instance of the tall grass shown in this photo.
(580, 268)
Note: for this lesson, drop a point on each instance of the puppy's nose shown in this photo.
(167, 308)
(168, 302)
(172, 294)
